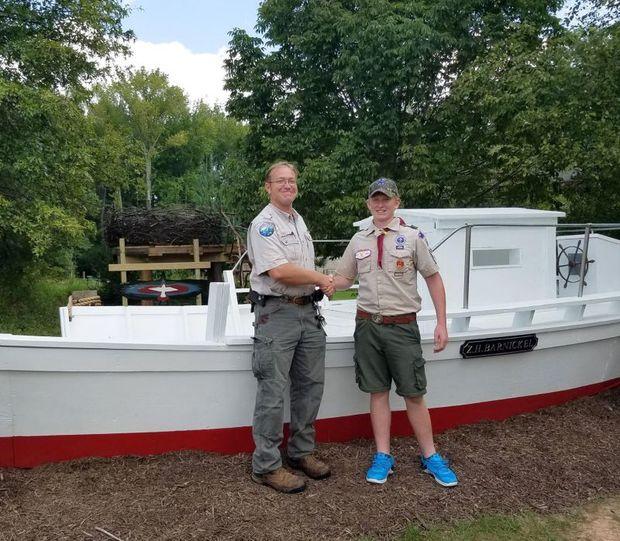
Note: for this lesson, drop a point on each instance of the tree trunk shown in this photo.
(104, 195)
(147, 161)
(118, 199)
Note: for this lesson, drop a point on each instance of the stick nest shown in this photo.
(169, 225)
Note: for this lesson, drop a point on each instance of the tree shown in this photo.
(117, 163)
(347, 88)
(59, 44)
(195, 172)
(535, 127)
(48, 51)
(144, 105)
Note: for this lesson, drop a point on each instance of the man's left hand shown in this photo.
(441, 338)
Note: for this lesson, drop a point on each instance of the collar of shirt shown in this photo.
(282, 214)
(394, 225)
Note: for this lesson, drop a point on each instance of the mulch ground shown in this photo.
(546, 461)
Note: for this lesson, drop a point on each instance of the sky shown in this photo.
(187, 40)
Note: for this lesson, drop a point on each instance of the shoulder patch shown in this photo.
(266, 229)
(421, 235)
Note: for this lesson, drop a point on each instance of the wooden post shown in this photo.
(146, 276)
(196, 245)
(122, 260)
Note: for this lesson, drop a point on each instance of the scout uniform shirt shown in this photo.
(387, 284)
(276, 237)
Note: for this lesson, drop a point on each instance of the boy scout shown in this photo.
(387, 257)
(289, 339)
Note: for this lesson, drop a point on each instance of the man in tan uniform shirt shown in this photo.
(386, 257)
(289, 340)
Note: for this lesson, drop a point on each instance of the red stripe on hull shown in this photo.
(7, 456)
(30, 451)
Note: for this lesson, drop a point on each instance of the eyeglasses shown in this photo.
(283, 181)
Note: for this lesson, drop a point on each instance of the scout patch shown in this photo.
(399, 271)
(266, 229)
(400, 242)
(362, 254)
(423, 237)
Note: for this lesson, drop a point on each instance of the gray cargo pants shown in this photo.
(287, 342)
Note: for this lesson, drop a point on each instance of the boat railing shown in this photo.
(573, 310)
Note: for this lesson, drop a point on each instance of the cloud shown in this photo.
(200, 75)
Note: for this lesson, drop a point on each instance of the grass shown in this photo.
(598, 521)
(524, 527)
(345, 295)
(30, 305)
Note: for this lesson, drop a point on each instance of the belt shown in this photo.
(386, 320)
(301, 301)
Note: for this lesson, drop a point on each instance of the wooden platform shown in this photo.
(196, 257)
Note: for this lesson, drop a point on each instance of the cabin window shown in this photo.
(496, 257)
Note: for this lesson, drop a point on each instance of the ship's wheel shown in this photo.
(568, 264)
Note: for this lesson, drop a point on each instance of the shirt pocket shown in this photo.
(401, 266)
(364, 264)
(291, 246)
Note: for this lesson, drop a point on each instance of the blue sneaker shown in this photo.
(382, 466)
(438, 467)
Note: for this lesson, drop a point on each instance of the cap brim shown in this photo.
(384, 192)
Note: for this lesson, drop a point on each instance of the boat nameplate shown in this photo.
(500, 345)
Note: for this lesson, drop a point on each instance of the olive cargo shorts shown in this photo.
(389, 352)
(287, 342)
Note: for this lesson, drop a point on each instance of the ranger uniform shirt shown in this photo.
(389, 288)
(276, 237)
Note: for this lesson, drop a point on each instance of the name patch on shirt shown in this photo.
(362, 254)
(266, 229)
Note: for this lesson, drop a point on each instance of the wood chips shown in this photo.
(546, 461)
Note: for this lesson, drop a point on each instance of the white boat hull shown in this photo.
(143, 380)
(61, 400)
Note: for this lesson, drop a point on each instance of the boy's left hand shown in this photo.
(441, 338)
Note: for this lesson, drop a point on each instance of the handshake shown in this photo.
(326, 284)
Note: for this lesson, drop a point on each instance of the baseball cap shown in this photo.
(385, 186)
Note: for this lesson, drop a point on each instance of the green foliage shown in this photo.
(117, 162)
(202, 168)
(45, 187)
(349, 89)
(534, 126)
(143, 107)
(48, 51)
(29, 304)
(57, 44)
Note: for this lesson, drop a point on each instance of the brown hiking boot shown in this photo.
(311, 466)
(281, 480)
